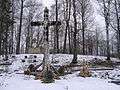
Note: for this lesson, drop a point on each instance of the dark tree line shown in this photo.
(6, 23)
(78, 34)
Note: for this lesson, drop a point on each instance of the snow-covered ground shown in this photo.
(68, 82)
(66, 58)
(99, 80)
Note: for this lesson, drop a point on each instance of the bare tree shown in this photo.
(107, 23)
(116, 23)
(75, 33)
(20, 27)
(31, 6)
(106, 14)
(67, 19)
(56, 47)
(85, 12)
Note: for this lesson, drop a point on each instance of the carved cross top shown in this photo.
(46, 22)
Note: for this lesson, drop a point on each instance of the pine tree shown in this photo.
(5, 23)
(48, 76)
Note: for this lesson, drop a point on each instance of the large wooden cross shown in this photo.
(46, 23)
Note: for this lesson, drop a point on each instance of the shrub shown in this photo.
(48, 76)
(27, 72)
(61, 71)
(85, 72)
(31, 68)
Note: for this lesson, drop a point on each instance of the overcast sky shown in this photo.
(48, 3)
(98, 17)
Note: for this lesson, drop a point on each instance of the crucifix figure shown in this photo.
(46, 23)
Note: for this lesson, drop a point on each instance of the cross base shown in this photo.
(47, 75)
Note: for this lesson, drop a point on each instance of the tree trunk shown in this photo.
(69, 26)
(75, 33)
(20, 27)
(64, 47)
(118, 29)
(66, 29)
(27, 39)
(83, 27)
(56, 30)
(0, 43)
(107, 22)
(12, 28)
(69, 38)
(97, 42)
(6, 42)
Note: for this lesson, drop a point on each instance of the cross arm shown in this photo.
(37, 23)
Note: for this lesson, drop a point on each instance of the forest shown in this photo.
(79, 33)
(59, 44)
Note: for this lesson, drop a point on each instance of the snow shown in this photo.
(98, 81)
(68, 82)
(65, 58)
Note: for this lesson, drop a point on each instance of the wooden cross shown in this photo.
(46, 23)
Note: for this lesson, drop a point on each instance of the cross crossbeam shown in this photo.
(41, 23)
(46, 23)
